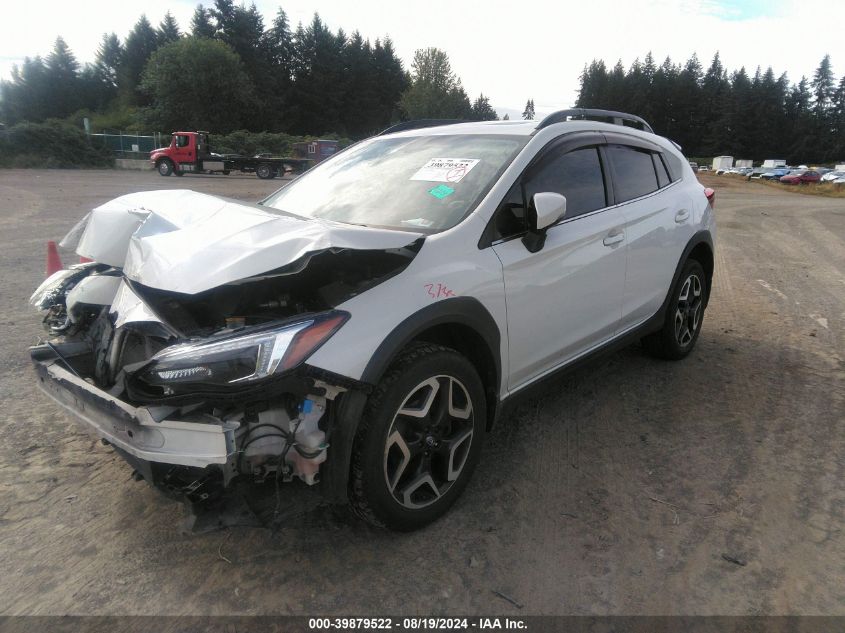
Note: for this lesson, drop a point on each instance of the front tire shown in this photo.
(684, 315)
(165, 167)
(419, 440)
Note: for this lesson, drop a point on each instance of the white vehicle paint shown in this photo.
(455, 261)
(188, 242)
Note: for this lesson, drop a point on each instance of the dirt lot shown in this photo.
(617, 489)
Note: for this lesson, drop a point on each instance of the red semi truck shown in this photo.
(190, 152)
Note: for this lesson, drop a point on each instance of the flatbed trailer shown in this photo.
(190, 153)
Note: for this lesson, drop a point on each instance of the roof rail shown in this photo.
(419, 124)
(608, 116)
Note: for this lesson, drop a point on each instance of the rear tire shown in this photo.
(165, 167)
(419, 439)
(684, 315)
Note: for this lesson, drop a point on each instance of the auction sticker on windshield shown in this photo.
(445, 169)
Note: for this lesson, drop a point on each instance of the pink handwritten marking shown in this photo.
(438, 291)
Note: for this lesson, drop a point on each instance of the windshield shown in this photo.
(427, 183)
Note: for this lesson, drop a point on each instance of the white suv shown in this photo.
(361, 327)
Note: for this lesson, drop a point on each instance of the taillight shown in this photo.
(711, 196)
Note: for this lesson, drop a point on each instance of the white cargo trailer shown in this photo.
(742, 162)
(840, 167)
(774, 162)
(723, 162)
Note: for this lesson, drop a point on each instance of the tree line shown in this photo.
(713, 112)
(232, 71)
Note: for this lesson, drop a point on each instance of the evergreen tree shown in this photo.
(277, 48)
(799, 132)
(823, 87)
(318, 78)
(108, 60)
(715, 89)
(528, 112)
(664, 115)
(278, 43)
(685, 117)
(140, 44)
(636, 88)
(201, 25)
(482, 110)
(63, 94)
(23, 98)
(391, 81)
(616, 96)
(100, 79)
(593, 92)
(838, 124)
(168, 30)
(360, 101)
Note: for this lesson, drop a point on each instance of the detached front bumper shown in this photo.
(143, 432)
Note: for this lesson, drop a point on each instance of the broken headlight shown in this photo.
(53, 289)
(243, 358)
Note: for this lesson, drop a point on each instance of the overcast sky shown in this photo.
(496, 47)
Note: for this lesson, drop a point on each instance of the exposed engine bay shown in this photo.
(197, 388)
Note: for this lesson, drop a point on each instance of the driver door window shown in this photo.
(578, 175)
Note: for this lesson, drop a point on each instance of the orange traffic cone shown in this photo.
(54, 262)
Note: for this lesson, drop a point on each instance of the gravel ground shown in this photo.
(622, 488)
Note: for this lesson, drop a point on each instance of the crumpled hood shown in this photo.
(184, 241)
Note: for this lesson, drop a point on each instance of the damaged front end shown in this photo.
(195, 389)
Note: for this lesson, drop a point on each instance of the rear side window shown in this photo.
(577, 175)
(633, 172)
(676, 167)
(662, 175)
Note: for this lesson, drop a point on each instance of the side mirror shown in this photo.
(544, 210)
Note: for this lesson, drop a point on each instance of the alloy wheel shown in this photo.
(688, 310)
(428, 442)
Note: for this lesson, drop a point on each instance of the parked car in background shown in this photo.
(775, 174)
(801, 177)
(740, 171)
(703, 168)
(833, 175)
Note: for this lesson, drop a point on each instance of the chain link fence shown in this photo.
(130, 144)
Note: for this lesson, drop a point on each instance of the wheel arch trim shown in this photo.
(702, 237)
(466, 311)
(462, 311)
